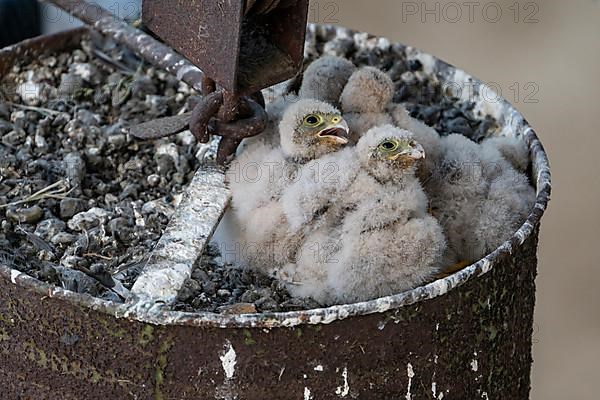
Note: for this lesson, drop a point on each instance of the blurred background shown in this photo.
(544, 57)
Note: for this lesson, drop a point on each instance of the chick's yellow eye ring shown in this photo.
(336, 119)
(389, 145)
(313, 120)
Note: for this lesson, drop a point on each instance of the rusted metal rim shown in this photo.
(512, 123)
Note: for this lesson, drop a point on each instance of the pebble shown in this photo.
(25, 215)
(153, 180)
(70, 84)
(63, 238)
(49, 228)
(89, 219)
(75, 169)
(69, 207)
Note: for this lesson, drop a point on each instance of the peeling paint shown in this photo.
(436, 395)
(411, 375)
(307, 394)
(228, 361)
(343, 391)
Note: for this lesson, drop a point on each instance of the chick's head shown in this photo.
(310, 129)
(389, 153)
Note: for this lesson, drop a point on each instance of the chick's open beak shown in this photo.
(339, 133)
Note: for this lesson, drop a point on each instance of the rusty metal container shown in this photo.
(464, 337)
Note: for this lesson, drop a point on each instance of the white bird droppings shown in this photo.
(228, 360)
(14, 274)
(319, 368)
(343, 391)
(411, 375)
(474, 365)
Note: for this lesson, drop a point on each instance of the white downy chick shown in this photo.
(387, 242)
(325, 79)
(309, 129)
(514, 150)
(365, 100)
(314, 206)
(478, 197)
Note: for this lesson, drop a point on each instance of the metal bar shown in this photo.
(184, 240)
(144, 45)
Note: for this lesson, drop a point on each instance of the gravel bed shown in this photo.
(81, 202)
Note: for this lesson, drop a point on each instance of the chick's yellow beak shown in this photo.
(337, 132)
(416, 152)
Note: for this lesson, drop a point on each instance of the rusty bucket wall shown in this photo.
(464, 337)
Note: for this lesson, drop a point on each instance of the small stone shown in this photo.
(119, 228)
(340, 47)
(209, 288)
(223, 293)
(164, 164)
(61, 119)
(118, 140)
(40, 143)
(74, 262)
(88, 118)
(75, 169)
(25, 215)
(130, 190)
(267, 304)
(199, 275)
(190, 290)
(70, 207)
(153, 180)
(86, 71)
(250, 296)
(110, 199)
(63, 238)
(30, 93)
(49, 228)
(69, 84)
(89, 219)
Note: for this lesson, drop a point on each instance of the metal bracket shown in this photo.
(243, 45)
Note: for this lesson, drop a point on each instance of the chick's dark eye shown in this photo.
(388, 145)
(312, 120)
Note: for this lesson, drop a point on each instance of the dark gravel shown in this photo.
(81, 202)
